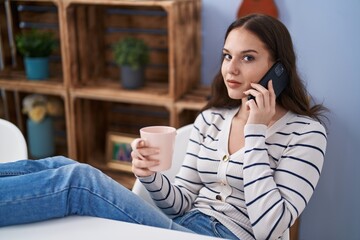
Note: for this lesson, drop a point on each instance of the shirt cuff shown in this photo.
(255, 129)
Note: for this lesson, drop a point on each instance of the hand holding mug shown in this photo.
(152, 152)
(142, 158)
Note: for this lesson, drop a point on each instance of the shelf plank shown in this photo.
(151, 94)
(49, 87)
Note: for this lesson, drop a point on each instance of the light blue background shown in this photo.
(326, 35)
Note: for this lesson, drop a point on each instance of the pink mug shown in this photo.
(161, 137)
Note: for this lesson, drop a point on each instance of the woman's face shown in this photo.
(245, 61)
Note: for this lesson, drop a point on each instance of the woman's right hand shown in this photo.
(141, 158)
(264, 108)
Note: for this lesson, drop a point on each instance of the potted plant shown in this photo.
(132, 55)
(36, 47)
(40, 131)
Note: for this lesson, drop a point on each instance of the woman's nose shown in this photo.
(233, 68)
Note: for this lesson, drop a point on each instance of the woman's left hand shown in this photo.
(141, 158)
(262, 109)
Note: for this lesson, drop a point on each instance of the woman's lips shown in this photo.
(233, 83)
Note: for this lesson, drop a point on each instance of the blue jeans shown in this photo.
(32, 191)
(203, 224)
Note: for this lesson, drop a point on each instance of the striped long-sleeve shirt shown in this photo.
(256, 192)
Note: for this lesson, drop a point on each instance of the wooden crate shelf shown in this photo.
(170, 28)
(84, 74)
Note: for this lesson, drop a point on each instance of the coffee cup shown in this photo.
(161, 137)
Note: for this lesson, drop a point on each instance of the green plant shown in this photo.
(35, 43)
(132, 52)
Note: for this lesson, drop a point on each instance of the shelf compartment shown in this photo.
(13, 113)
(94, 119)
(21, 16)
(170, 28)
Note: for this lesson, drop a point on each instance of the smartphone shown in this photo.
(277, 73)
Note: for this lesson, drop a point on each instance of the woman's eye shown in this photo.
(227, 56)
(248, 58)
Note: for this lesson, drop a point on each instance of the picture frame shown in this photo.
(118, 151)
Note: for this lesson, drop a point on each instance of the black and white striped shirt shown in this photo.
(256, 192)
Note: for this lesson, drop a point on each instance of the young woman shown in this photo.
(250, 169)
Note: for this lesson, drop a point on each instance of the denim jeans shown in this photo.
(37, 190)
(205, 225)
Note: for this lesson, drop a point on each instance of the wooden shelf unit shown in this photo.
(170, 28)
(84, 74)
(20, 16)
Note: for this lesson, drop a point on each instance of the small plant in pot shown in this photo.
(36, 47)
(132, 55)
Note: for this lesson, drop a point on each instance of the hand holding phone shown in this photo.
(277, 73)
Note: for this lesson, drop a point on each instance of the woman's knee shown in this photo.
(61, 160)
(84, 173)
(43, 164)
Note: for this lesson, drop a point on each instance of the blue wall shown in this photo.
(326, 35)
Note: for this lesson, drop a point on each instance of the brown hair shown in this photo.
(278, 41)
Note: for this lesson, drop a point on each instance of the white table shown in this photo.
(90, 228)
